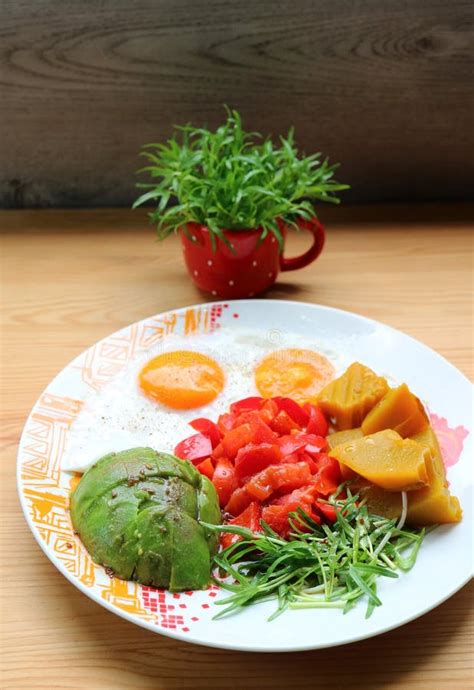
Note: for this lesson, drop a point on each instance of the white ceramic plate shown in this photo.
(445, 560)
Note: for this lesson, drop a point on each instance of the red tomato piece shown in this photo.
(328, 511)
(278, 477)
(291, 444)
(252, 458)
(235, 439)
(317, 421)
(310, 443)
(206, 467)
(295, 411)
(283, 423)
(328, 476)
(276, 514)
(246, 405)
(194, 448)
(261, 432)
(315, 444)
(208, 428)
(250, 518)
(218, 452)
(304, 457)
(225, 422)
(224, 480)
(269, 410)
(238, 502)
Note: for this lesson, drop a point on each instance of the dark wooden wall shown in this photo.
(383, 86)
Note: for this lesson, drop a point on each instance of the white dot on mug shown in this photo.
(214, 293)
(196, 273)
(254, 263)
(273, 239)
(270, 275)
(231, 282)
(209, 263)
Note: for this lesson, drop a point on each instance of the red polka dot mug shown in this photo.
(251, 268)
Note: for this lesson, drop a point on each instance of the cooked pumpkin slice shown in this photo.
(429, 506)
(344, 437)
(387, 460)
(428, 438)
(432, 505)
(341, 437)
(400, 410)
(350, 397)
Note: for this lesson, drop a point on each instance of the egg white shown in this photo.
(120, 416)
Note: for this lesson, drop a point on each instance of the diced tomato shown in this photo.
(315, 444)
(269, 410)
(208, 428)
(224, 480)
(250, 518)
(327, 510)
(276, 514)
(295, 411)
(283, 423)
(295, 442)
(246, 405)
(328, 476)
(291, 444)
(225, 422)
(206, 467)
(194, 448)
(304, 457)
(238, 502)
(255, 457)
(304, 495)
(218, 452)
(278, 477)
(235, 439)
(261, 432)
(317, 421)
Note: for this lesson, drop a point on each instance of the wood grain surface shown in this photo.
(70, 278)
(383, 87)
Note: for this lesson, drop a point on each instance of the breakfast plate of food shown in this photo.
(257, 475)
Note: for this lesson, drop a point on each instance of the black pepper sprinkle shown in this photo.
(132, 481)
(114, 494)
(109, 571)
(150, 491)
(69, 545)
(149, 466)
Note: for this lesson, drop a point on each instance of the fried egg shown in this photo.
(151, 401)
(294, 373)
(182, 379)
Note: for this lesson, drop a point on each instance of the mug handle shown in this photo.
(319, 236)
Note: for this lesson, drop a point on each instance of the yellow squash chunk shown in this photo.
(349, 398)
(431, 505)
(399, 410)
(428, 438)
(344, 437)
(341, 437)
(387, 460)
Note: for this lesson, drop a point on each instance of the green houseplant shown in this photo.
(216, 187)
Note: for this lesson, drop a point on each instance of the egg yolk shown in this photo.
(293, 373)
(182, 379)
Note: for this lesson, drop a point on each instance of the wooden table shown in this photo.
(72, 277)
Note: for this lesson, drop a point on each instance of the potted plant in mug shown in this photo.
(232, 195)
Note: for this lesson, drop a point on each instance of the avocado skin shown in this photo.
(138, 511)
